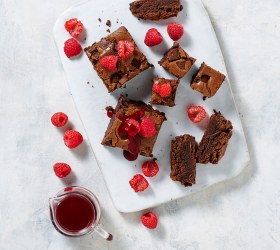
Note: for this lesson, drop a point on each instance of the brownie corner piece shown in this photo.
(126, 68)
(182, 160)
(215, 140)
(155, 9)
(157, 98)
(177, 61)
(207, 80)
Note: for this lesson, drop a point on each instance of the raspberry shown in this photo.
(138, 183)
(125, 49)
(175, 31)
(132, 127)
(61, 169)
(165, 90)
(59, 119)
(72, 48)
(149, 220)
(156, 88)
(74, 27)
(153, 37)
(196, 113)
(150, 168)
(72, 138)
(109, 62)
(148, 128)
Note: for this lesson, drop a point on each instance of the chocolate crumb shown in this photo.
(108, 30)
(108, 23)
(204, 98)
(126, 95)
(99, 19)
(87, 82)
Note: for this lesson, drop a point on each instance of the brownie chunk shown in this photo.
(155, 9)
(115, 135)
(215, 139)
(182, 160)
(126, 68)
(157, 98)
(207, 81)
(176, 61)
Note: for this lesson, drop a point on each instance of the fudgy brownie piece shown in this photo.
(126, 68)
(182, 160)
(176, 61)
(136, 110)
(159, 98)
(155, 9)
(207, 80)
(215, 139)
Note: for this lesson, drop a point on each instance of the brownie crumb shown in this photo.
(99, 19)
(204, 98)
(108, 23)
(108, 30)
(87, 82)
(126, 95)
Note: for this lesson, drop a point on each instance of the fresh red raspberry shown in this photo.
(150, 168)
(72, 48)
(196, 113)
(148, 128)
(74, 27)
(132, 127)
(165, 90)
(61, 169)
(175, 31)
(153, 37)
(125, 49)
(139, 183)
(72, 138)
(109, 62)
(59, 119)
(149, 220)
(156, 88)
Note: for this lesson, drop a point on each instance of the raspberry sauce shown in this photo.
(75, 213)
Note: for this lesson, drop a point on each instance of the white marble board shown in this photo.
(91, 98)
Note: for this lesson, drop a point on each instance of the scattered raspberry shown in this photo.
(175, 31)
(125, 49)
(156, 88)
(138, 183)
(74, 27)
(149, 220)
(196, 113)
(72, 138)
(109, 62)
(165, 90)
(59, 119)
(72, 48)
(61, 169)
(153, 37)
(132, 127)
(150, 168)
(148, 128)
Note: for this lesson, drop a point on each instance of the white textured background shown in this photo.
(243, 213)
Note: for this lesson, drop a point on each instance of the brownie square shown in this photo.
(126, 68)
(157, 99)
(176, 61)
(207, 80)
(215, 139)
(129, 108)
(182, 160)
(156, 9)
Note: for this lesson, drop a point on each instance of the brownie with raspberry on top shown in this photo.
(177, 61)
(164, 91)
(134, 127)
(117, 59)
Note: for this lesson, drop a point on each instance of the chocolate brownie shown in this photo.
(182, 160)
(215, 139)
(126, 68)
(176, 61)
(207, 80)
(135, 110)
(157, 99)
(155, 9)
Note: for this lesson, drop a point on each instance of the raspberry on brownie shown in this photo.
(116, 73)
(182, 160)
(164, 91)
(176, 61)
(124, 134)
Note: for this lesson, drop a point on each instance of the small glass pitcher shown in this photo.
(89, 199)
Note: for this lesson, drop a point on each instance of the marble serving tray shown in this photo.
(91, 98)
